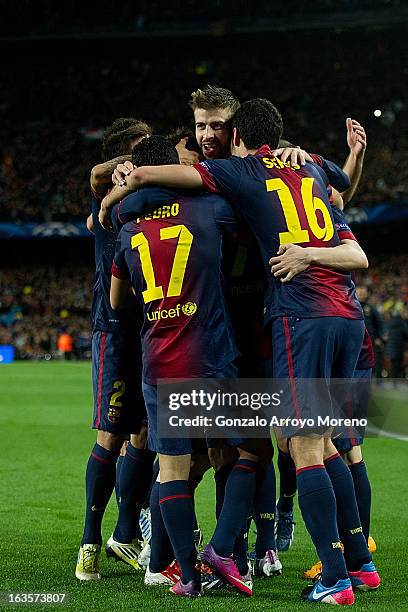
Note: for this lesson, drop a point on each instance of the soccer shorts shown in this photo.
(316, 348)
(360, 394)
(177, 446)
(119, 406)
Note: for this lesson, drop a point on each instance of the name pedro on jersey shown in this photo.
(257, 421)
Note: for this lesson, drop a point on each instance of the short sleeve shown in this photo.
(343, 230)
(221, 176)
(119, 265)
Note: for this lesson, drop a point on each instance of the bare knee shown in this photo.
(306, 451)
(174, 467)
(110, 441)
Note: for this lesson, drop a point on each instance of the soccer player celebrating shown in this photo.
(172, 259)
(118, 403)
(317, 307)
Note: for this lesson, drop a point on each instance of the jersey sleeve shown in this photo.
(119, 265)
(336, 176)
(343, 230)
(143, 201)
(221, 176)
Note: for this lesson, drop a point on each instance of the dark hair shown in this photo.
(258, 122)
(211, 97)
(183, 132)
(118, 137)
(154, 151)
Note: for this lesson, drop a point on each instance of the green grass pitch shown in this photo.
(45, 414)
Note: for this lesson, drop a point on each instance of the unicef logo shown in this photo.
(189, 308)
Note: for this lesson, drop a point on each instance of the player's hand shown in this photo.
(290, 260)
(121, 172)
(186, 157)
(356, 137)
(298, 156)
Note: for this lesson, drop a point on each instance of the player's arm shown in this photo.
(353, 167)
(119, 292)
(293, 259)
(127, 181)
(101, 174)
(175, 176)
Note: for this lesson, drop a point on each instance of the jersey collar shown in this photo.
(264, 150)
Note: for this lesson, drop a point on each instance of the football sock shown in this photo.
(362, 488)
(264, 513)
(161, 554)
(240, 552)
(221, 477)
(317, 504)
(117, 485)
(135, 479)
(348, 520)
(178, 516)
(238, 503)
(100, 482)
(287, 481)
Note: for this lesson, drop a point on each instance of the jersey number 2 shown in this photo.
(311, 204)
(185, 239)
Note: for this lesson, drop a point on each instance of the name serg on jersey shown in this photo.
(173, 257)
(286, 205)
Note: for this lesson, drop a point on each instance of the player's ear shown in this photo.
(235, 137)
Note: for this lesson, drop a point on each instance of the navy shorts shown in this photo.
(315, 348)
(116, 376)
(360, 399)
(178, 446)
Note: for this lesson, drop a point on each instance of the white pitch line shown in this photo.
(387, 434)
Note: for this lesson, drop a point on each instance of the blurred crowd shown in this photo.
(49, 131)
(41, 17)
(39, 305)
(45, 311)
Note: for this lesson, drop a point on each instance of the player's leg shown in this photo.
(178, 516)
(127, 411)
(233, 517)
(358, 560)
(174, 499)
(302, 350)
(362, 487)
(135, 479)
(200, 464)
(285, 524)
(101, 466)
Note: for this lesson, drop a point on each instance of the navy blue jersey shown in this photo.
(104, 318)
(285, 205)
(172, 256)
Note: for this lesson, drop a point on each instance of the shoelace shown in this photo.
(89, 560)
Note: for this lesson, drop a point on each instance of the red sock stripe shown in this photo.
(334, 456)
(180, 496)
(100, 377)
(310, 467)
(244, 467)
(356, 463)
(101, 459)
(290, 366)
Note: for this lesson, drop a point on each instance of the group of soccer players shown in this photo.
(234, 266)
